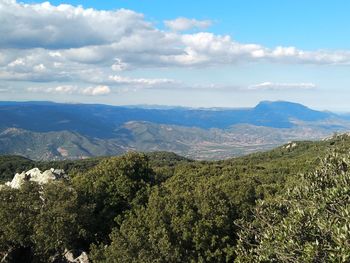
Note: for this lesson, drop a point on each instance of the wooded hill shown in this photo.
(290, 204)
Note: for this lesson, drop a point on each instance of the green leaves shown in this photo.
(169, 209)
(113, 187)
(309, 223)
(43, 218)
(18, 210)
(60, 216)
(188, 219)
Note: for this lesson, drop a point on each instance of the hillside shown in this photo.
(53, 131)
(292, 158)
(155, 207)
(55, 145)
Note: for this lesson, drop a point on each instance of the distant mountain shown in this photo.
(279, 114)
(47, 130)
(101, 120)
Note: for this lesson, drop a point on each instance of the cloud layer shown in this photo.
(69, 89)
(183, 24)
(46, 43)
(281, 86)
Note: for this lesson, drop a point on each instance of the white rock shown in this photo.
(35, 175)
(83, 258)
(72, 257)
(17, 180)
(290, 145)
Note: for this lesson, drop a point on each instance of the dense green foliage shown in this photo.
(45, 219)
(286, 205)
(9, 165)
(308, 223)
(191, 223)
(114, 186)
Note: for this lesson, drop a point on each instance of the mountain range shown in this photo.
(56, 131)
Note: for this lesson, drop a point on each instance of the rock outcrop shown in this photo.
(290, 145)
(71, 256)
(35, 175)
(82, 257)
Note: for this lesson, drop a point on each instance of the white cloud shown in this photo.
(318, 57)
(82, 35)
(95, 91)
(207, 48)
(183, 24)
(64, 26)
(17, 62)
(47, 43)
(64, 89)
(3, 90)
(89, 36)
(39, 68)
(139, 81)
(34, 65)
(119, 65)
(70, 89)
(281, 86)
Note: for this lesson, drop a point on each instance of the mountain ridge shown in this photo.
(18, 112)
(49, 130)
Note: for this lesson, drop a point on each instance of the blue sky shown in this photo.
(307, 24)
(201, 54)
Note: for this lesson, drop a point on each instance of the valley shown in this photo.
(78, 131)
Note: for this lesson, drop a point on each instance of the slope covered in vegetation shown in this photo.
(161, 207)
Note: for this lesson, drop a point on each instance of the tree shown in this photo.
(187, 222)
(308, 223)
(58, 226)
(18, 210)
(112, 187)
(44, 219)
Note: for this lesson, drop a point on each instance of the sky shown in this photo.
(189, 53)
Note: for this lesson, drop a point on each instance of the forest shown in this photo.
(290, 204)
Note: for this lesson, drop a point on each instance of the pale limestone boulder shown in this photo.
(290, 145)
(17, 180)
(76, 256)
(35, 175)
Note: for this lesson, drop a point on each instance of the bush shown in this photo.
(308, 223)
